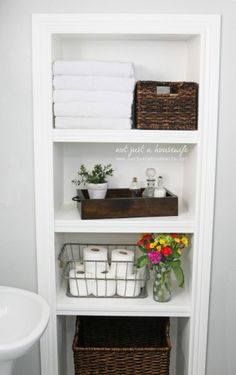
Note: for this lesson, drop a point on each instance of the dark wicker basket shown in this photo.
(121, 346)
(176, 110)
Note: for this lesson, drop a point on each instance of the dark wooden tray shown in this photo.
(120, 204)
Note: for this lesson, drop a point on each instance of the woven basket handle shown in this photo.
(168, 89)
(163, 90)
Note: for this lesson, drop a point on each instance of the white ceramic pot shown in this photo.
(97, 191)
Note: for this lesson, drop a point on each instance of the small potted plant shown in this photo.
(95, 180)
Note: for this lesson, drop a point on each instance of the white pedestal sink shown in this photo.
(23, 318)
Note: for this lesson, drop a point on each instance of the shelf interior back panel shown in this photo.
(155, 58)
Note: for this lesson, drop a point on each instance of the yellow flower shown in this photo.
(162, 242)
(159, 248)
(177, 240)
(185, 241)
(152, 245)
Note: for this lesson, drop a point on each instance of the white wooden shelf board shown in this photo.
(67, 219)
(125, 136)
(178, 306)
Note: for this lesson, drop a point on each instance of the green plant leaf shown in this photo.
(146, 251)
(97, 175)
(179, 275)
(142, 261)
(175, 263)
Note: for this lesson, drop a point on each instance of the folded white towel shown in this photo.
(93, 109)
(91, 96)
(92, 123)
(90, 68)
(94, 83)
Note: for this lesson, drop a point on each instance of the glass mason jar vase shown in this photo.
(162, 283)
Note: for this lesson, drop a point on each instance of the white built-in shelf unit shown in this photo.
(163, 48)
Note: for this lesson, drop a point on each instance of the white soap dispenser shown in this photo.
(151, 182)
(135, 188)
(160, 191)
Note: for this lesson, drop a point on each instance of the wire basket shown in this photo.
(109, 278)
(122, 345)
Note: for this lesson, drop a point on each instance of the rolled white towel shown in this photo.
(95, 259)
(130, 287)
(91, 96)
(93, 109)
(95, 83)
(92, 123)
(80, 283)
(122, 262)
(89, 68)
(104, 284)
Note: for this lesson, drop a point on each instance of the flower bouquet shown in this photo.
(163, 253)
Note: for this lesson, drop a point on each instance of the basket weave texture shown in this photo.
(121, 346)
(174, 111)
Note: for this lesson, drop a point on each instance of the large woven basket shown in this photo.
(121, 346)
(176, 110)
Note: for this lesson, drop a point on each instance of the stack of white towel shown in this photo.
(93, 94)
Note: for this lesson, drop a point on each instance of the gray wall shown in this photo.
(17, 246)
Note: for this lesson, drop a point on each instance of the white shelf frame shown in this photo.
(207, 27)
(127, 136)
(67, 220)
(179, 306)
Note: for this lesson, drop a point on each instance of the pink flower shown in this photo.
(154, 256)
